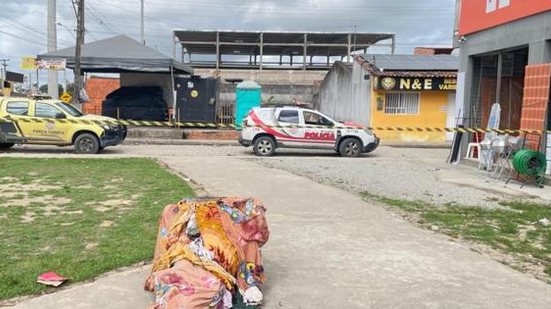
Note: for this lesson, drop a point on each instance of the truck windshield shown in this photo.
(69, 109)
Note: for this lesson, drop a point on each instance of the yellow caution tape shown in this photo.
(210, 125)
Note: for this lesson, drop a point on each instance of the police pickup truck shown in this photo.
(292, 127)
(48, 122)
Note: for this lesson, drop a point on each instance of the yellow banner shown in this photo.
(28, 63)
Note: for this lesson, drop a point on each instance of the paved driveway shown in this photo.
(330, 249)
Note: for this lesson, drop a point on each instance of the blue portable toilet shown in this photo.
(248, 96)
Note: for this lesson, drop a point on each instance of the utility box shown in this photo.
(248, 96)
(196, 99)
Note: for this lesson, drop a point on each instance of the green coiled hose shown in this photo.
(529, 162)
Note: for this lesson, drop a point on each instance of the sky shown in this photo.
(416, 23)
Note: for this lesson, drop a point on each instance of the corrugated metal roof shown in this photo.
(448, 74)
(413, 62)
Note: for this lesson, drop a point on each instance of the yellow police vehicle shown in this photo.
(48, 122)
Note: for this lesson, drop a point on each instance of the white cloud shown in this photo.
(415, 22)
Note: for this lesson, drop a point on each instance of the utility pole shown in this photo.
(3, 73)
(142, 32)
(52, 46)
(78, 50)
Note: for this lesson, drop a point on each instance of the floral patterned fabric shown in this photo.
(207, 250)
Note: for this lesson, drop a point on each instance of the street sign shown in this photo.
(65, 97)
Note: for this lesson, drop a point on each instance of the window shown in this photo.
(18, 108)
(316, 119)
(402, 103)
(46, 110)
(288, 116)
(71, 110)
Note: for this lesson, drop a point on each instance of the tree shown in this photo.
(44, 88)
(71, 89)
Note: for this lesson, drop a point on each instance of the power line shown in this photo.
(91, 13)
(21, 38)
(297, 7)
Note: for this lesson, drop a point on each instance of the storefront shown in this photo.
(420, 100)
(410, 92)
(505, 57)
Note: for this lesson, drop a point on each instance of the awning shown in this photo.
(119, 54)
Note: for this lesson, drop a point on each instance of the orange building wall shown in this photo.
(473, 16)
(97, 89)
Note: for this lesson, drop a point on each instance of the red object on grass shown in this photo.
(51, 278)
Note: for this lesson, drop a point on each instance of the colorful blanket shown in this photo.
(207, 251)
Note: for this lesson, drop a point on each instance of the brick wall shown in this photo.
(536, 98)
(432, 51)
(423, 51)
(211, 134)
(97, 89)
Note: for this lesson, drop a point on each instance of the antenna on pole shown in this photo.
(142, 32)
(4, 72)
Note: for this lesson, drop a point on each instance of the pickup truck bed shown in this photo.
(10, 133)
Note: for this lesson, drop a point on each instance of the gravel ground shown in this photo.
(405, 173)
(402, 173)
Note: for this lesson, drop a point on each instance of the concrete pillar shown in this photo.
(305, 49)
(466, 65)
(499, 74)
(218, 56)
(539, 52)
(174, 46)
(261, 50)
(349, 48)
(53, 90)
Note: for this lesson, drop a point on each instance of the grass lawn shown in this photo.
(514, 230)
(78, 217)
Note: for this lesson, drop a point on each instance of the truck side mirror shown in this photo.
(60, 116)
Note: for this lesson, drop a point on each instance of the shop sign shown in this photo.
(28, 63)
(51, 64)
(416, 84)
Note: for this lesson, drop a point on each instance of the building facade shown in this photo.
(505, 58)
(397, 91)
(288, 65)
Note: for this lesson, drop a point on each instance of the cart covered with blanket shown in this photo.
(208, 254)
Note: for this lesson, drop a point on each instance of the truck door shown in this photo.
(287, 134)
(49, 130)
(19, 112)
(319, 130)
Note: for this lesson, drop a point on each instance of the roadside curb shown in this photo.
(157, 141)
(136, 141)
(426, 146)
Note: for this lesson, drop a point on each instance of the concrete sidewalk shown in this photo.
(330, 249)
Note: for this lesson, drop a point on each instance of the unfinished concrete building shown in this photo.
(288, 65)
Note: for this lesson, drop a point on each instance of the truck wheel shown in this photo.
(87, 143)
(5, 146)
(350, 147)
(264, 146)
